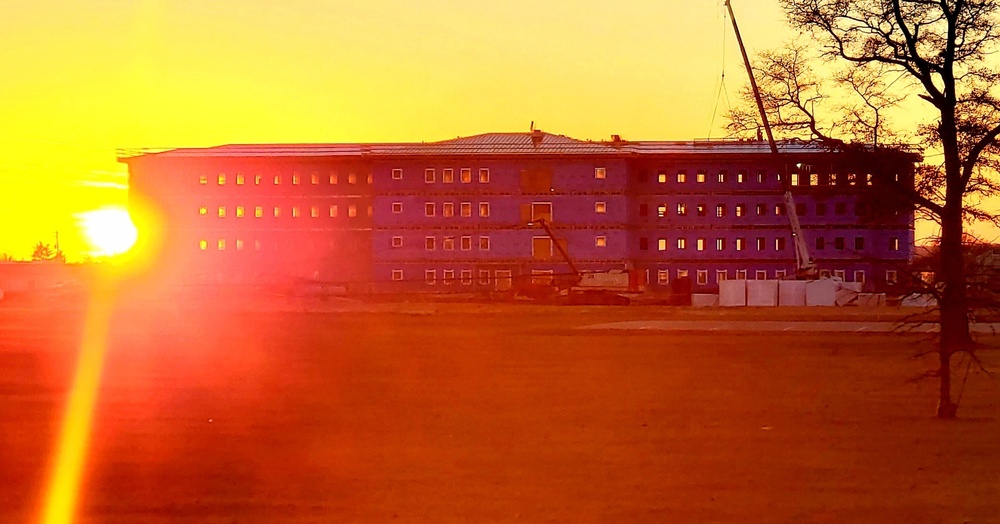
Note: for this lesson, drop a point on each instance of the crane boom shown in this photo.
(805, 267)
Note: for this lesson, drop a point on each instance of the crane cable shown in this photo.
(721, 91)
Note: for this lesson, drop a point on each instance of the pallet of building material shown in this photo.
(821, 292)
(704, 299)
(733, 293)
(791, 292)
(919, 300)
(871, 299)
(762, 292)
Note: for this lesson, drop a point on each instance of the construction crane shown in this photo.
(805, 266)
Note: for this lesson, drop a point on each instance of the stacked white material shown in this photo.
(821, 292)
(791, 292)
(762, 292)
(848, 293)
(733, 293)
(704, 299)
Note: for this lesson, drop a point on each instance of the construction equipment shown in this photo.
(577, 287)
(805, 266)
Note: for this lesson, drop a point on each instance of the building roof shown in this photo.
(490, 144)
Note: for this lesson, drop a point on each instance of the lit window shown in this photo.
(682, 209)
(682, 243)
(397, 274)
(814, 179)
(257, 180)
(397, 174)
(720, 244)
(448, 175)
(600, 173)
(430, 244)
(601, 242)
(484, 243)
(741, 244)
(760, 274)
(859, 276)
(702, 276)
(222, 244)
(203, 210)
(682, 178)
(700, 210)
(239, 244)
(222, 211)
(663, 276)
(222, 179)
(296, 179)
(314, 179)
(352, 178)
(448, 209)
(720, 210)
(448, 244)
(661, 178)
(258, 211)
(721, 275)
(795, 179)
(429, 176)
(352, 211)
(760, 243)
(741, 210)
(661, 244)
(741, 274)
(466, 243)
(484, 209)
(277, 211)
(203, 180)
(700, 244)
(761, 209)
(779, 209)
(484, 175)
(466, 175)
(314, 211)
(600, 207)
(894, 244)
(722, 177)
(429, 210)
(682, 273)
(277, 179)
(760, 177)
(397, 207)
(890, 276)
(397, 241)
(239, 180)
(700, 178)
(448, 276)
(466, 209)
(370, 179)
(430, 275)
(466, 277)
(779, 244)
(741, 177)
(295, 212)
(333, 178)
(333, 210)
(661, 210)
(203, 245)
(239, 211)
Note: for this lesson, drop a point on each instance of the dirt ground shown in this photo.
(490, 414)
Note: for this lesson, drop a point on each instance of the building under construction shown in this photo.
(465, 214)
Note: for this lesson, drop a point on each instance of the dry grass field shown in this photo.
(439, 413)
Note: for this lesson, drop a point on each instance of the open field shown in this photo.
(431, 413)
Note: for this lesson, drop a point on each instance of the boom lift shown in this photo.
(805, 266)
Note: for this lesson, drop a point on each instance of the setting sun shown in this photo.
(110, 231)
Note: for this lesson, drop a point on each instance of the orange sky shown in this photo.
(81, 78)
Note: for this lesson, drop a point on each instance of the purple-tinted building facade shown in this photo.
(463, 214)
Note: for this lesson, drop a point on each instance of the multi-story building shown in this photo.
(464, 214)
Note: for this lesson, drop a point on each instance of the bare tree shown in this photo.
(42, 251)
(936, 50)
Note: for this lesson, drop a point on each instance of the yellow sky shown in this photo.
(81, 78)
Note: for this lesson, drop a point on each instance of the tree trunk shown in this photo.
(953, 303)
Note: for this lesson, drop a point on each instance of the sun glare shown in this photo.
(110, 231)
